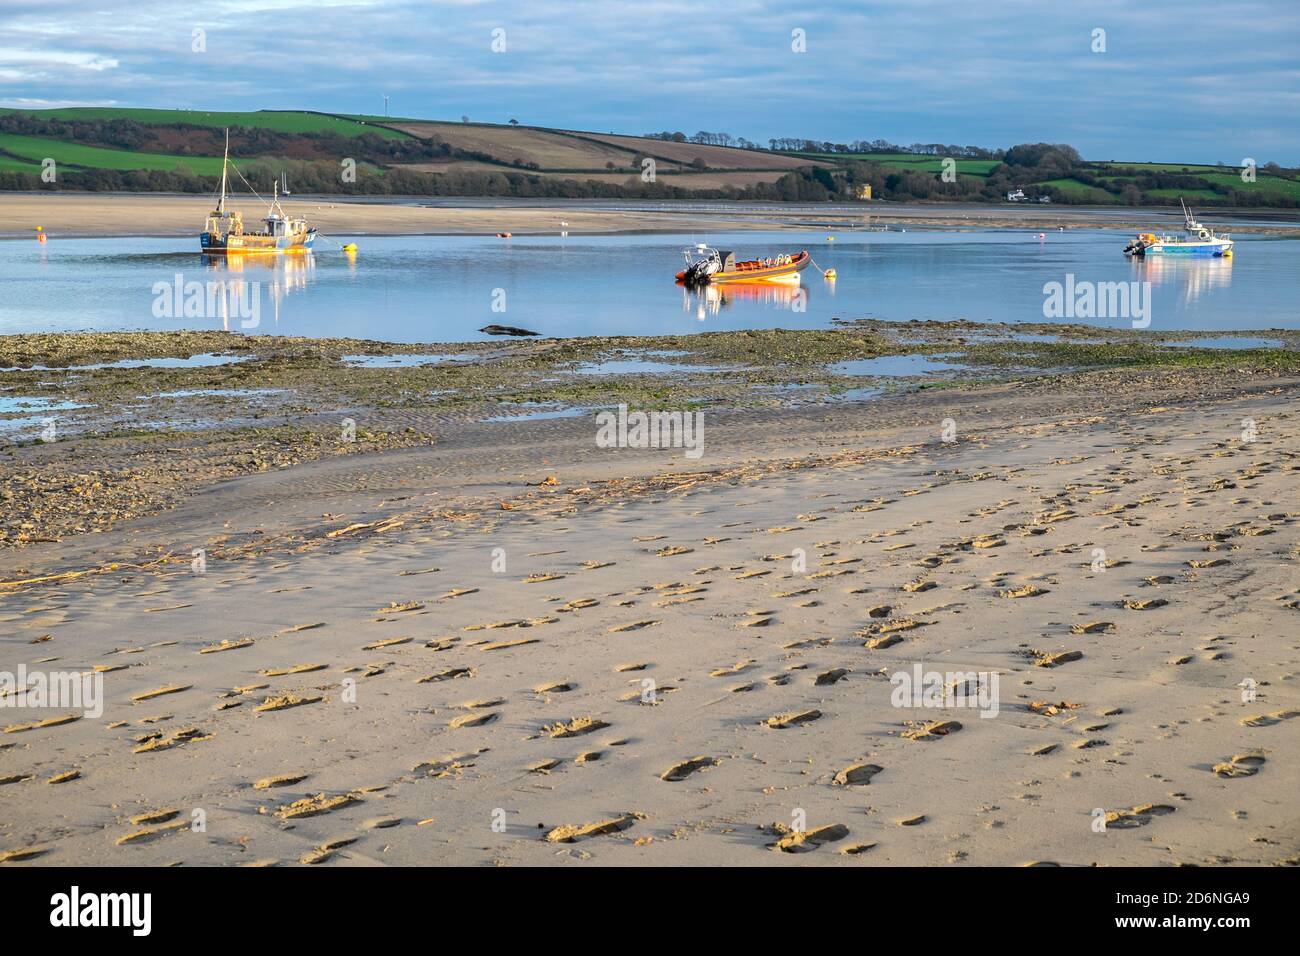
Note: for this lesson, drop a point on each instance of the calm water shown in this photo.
(437, 288)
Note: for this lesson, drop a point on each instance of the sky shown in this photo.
(1194, 81)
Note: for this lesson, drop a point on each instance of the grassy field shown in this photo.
(36, 149)
(1081, 192)
(19, 165)
(287, 121)
(911, 162)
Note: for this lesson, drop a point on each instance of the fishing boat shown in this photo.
(224, 233)
(1196, 240)
(708, 266)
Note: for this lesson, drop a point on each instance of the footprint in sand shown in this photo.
(1267, 720)
(1028, 590)
(227, 645)
(737, 668)
(858, 775)
(505, 645)
(450, 674)
(284, 702)
(1148, 605)
(687, 767)
(472, 720)
(831, 676)
(1240, 765)
(560, 687)
(22, 853)
(389, 642)
(575, 727)
(634, 626)
(858, 848)
(313, 806)
(572, 833)
(295, 669)
(930, 729)
(1138, 816)
(159, 692)
(180, 738)
(281, 780)
(1046, 659)
(792, 719)
(805, 841)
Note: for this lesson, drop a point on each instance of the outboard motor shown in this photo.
(699, 270)
(1137, 247)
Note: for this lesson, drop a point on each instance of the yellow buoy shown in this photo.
(829, 273)
(830, 238)
(350, 247)
(1227, 254)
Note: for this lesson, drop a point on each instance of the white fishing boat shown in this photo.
(1196, 240)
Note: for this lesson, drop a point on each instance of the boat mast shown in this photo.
(225, 158)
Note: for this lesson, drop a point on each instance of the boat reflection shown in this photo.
(711, 299)
(1193, 277)
(245, 278)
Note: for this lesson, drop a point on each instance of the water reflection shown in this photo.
(245, 277)
(1191, 277)
(708, 300)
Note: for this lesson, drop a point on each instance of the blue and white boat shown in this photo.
(1196, 240)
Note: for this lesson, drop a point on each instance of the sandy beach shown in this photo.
(79, 214)
(504, 644)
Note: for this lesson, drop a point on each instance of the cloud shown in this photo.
(1204, 82)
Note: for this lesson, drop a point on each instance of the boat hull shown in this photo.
(1202, 249)
(215, 244)
(787, 274)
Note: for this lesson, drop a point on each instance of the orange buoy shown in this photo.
(40, 234)
(503, 235)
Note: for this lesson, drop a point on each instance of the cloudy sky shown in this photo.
(1195, 81)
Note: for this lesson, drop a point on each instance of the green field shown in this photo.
(1161, 167)
(36, 149)
(287, 121)
(18, 165)
(1079, 191)
(1188, 194)
(909, 161)
(1265, 183)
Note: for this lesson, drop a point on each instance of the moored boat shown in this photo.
(708, 266)
(224, 233)
(1196, 240)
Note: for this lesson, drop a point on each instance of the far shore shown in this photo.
(76, 214)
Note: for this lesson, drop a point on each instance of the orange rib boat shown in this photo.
(708, 266)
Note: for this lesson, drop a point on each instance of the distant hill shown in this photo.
(101, 148)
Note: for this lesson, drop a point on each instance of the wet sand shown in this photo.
(513, 646)
(97, 214)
